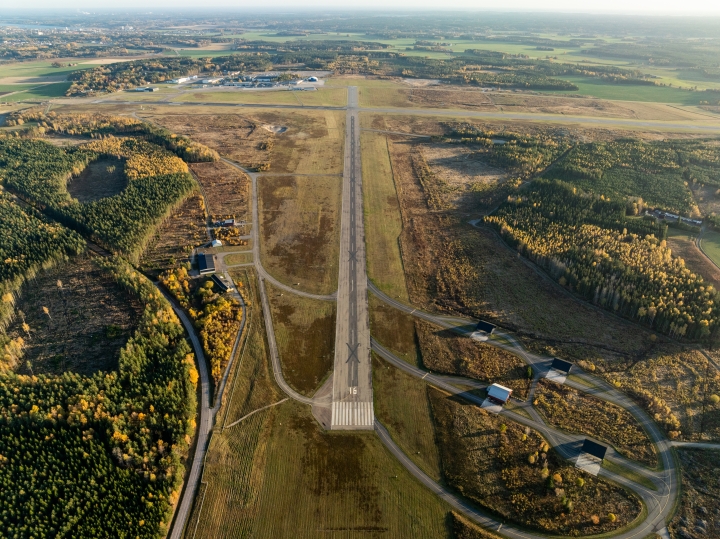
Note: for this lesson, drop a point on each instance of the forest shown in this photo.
(123, 223)
(100, 456)
(661, 173)
(28, 243)
(216, 316)
(587, 244)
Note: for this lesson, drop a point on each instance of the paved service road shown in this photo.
(352, 401)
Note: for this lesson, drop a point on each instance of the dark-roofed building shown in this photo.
(485, 326)
(499, 394)
(561, 365)
(206, 264)
(594, 449)
(222, 284)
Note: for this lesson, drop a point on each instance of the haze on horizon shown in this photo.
(635, 7)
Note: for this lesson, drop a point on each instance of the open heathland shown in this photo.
(509, 470)
(578, 412)
(85, 456)
(383, 223)
(700, 500)
(305, 333)
(300, 230)
(401, 405)
(175, 237)
(453, 267)
(298, 141)
(226, 190)
(675, 386)
(88, 319)
(448, 352)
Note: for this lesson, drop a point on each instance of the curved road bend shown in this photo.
(658, 503)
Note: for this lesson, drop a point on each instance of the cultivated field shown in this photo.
(305, 333)
(300, 229)
(507, 469)
(401, 405)
(578, 412)
(383, 225)
(175, 238)
(88, 319)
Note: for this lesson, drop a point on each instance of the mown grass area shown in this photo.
(330, 97)
(463, 528)
(578, 412)
(626, 92)
(39, 68)
(238, 258)
(710, 244)
(383, 223)
(300, 230)
(628, 473)
(237, 95)
(448, 352)
(45, 91)
(509, 470)
(395, 330)
(401, 405)
(305, 333)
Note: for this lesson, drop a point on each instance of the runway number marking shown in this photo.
(353, 390)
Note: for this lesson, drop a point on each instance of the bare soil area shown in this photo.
(88, 320)
(100, 179)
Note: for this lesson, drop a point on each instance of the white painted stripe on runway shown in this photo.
(352, 414)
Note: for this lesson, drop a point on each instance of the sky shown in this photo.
(646, 7)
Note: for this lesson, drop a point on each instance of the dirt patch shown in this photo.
(574, 411)
(88, 320)
(508, 469)
(100, 179)
(458, 165)
(275, 128)
(299, 223)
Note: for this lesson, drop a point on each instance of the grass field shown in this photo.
(507, 469)
(332, 97)
(39, 69)
(300, 228)
(581, 413)
(39, 93)
(305, 333)
(710, 244)
(624, 92)
(88, 320)
(401, 405)
(395, 330)
(383, 223)
(239, 258)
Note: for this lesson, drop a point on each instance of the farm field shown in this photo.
(305, 333)
(39, 93)
(300, 230)
(383, 223)
(402, 406)
(488, 460)
(88, 320)
(577, 412)
(710, 244)
(658, 94)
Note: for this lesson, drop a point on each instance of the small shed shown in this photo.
(206, 264)
(487, 327)
(222, 284)
(499, 394)
(594, 449)
(561, 366)
(216, 243)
